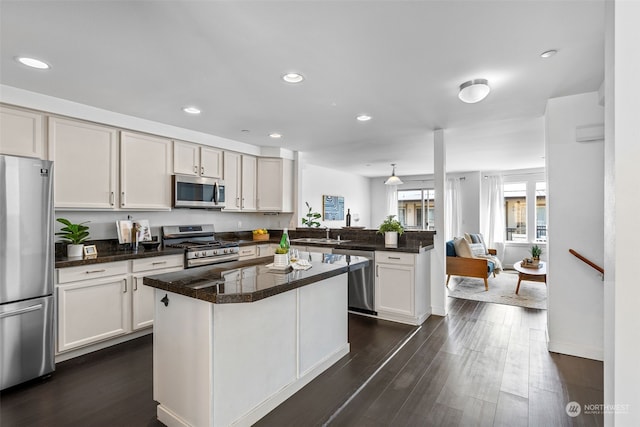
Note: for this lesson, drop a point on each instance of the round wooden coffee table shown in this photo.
(531, 274)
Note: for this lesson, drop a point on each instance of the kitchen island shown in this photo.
(233, 341)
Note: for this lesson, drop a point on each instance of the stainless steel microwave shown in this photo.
(197, 192)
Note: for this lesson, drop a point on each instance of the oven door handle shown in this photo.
(194, 262)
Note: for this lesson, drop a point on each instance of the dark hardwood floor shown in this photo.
(484, 364)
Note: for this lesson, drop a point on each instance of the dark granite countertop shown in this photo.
(410, 247)
(250, 280)
(112, 255)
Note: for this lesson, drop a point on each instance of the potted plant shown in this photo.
(74, 235)
(310, 218)
(391, 228)
(536, 251)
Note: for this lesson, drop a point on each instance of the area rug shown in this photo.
(502, 290)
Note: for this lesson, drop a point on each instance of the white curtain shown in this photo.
(494, 221)
(392, 200)
(453, 209)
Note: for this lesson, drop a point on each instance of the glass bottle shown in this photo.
(348, 217)
(284, 240)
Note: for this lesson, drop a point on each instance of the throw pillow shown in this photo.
(462, 248)
(477, 249)
(476, 238)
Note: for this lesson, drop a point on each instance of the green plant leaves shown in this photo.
(73, 233)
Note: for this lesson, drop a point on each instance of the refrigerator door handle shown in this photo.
(21, 311)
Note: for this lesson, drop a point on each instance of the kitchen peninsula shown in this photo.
(233, 341)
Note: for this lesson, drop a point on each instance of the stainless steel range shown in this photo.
(200, 244)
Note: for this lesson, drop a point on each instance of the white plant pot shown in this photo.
(74, 251)
(391, 238)
(281, 260)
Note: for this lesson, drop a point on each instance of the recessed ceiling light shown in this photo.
(474, 91)
(293, 78)
(363, 118)
(548, 53)
(191, 110)
(33, 63)
(275, 135)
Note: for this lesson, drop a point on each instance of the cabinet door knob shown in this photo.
(165, 300)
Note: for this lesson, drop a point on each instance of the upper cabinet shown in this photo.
(196, 160)
(275, 185)
(21, 133)
(85, 164)
(240, 181)
(145, 171)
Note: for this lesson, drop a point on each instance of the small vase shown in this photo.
(391, 238)
(281, 260)
(74, 251)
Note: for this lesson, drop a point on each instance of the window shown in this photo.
(541, 211)
(412, 204)
(515, 209)
(525, 203)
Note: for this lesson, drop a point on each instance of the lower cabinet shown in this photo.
(100, 302)
(402, 287)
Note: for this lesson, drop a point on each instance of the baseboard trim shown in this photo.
(81, 351)
(576, 350)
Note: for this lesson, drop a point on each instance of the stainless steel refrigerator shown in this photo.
(26, 269)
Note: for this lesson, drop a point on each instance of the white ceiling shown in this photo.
(398, 61)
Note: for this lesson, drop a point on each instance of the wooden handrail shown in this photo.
(586, 261)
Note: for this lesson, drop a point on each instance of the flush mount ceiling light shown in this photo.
(293, 78)
(363, 118)
(474, 91)
(548, 53)
(275, 135)
(393, 179)
(191, 110)
(33, 63)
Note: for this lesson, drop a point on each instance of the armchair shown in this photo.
(464, 264)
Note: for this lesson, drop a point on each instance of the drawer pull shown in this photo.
(159, 262)
(125, 286)
(95, 271)
(393, 257)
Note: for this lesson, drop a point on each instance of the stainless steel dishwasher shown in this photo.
(361, 282)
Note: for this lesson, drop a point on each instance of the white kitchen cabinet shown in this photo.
(240, 181)
(247, 252)
(21, 133)
(145, 172)
(196, 160)
(275, 185)
(95, 308)
(99, 304)
(142, 296)
(402, 286)
(266, 249)
(85, 164)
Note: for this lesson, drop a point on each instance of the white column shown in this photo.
(438, 264)
(622, 186)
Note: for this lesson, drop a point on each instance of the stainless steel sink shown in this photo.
(317, 240)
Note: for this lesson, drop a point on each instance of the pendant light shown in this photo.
(393, 179)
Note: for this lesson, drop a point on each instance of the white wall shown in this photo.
(316, 181)
(622, 180)
(575, 197)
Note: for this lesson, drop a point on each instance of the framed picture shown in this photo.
(125, 228)
(90, 251)
(333, 208)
